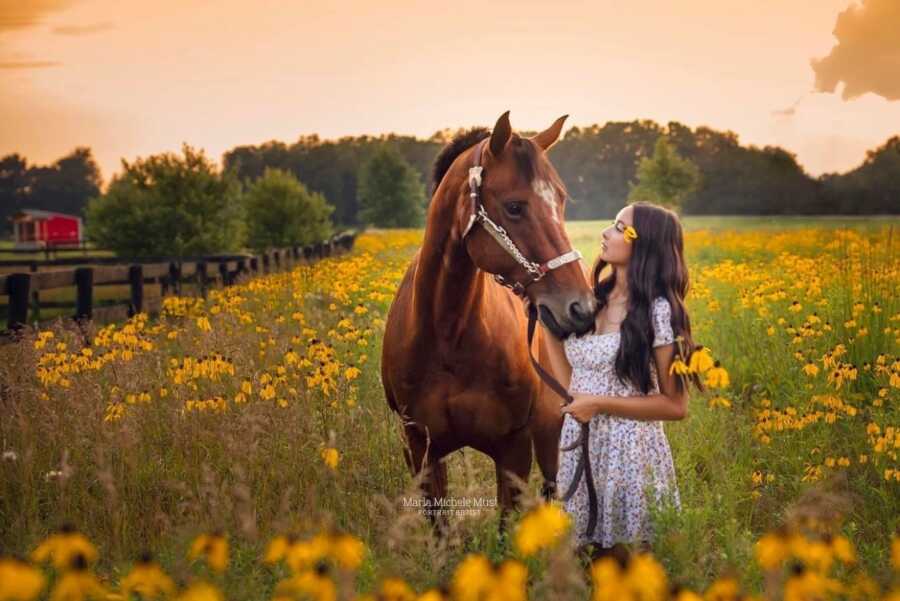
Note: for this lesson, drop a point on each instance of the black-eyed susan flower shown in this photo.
(61, 547)
(331, 456)
(646, 578)
(719, 401)
(19, 581)
(608, 580)
(278, 548)
(396, 589)
(211, 548)
(541, 528)
(78, 583)
(472, 578)
(717, 376)
(630, 234)
(773, 549)
(147, 579)
(700, 360)
(724, 588)
(200, 591)
(679, 366)
(314, 585)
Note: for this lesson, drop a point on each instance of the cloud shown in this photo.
(20, 14)
(28, 64)
(867, 55)
(82, 29)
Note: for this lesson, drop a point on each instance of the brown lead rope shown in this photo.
(583, 467)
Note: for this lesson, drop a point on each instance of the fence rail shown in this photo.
(22, 288)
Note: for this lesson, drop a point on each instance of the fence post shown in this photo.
(136, 281)
(175, 277)
(277, 256)
(254, 264)
(84, 282)
(18, 286)
(201, 277)
(266, 263)
(35, 297)
(223, 271)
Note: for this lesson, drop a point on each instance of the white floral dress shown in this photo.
(627, 455)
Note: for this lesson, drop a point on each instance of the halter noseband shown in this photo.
(536, 271)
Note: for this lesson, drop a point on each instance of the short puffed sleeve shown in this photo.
(662, 322)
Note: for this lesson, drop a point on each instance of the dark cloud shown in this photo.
(19, 14)
(28, 64)
(82, 29)
(867, 55)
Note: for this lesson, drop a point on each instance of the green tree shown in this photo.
(281, 211)
(166, 205)
(391, 193)
(665, 178)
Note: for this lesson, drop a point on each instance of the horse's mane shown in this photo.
(524, 154)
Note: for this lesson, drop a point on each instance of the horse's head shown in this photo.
(523, 194)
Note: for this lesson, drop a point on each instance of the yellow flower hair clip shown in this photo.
(630, 234)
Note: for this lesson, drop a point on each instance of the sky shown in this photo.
(821, 78)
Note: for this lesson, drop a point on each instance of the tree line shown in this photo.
(599, 164)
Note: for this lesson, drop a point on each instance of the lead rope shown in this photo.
(583, 467)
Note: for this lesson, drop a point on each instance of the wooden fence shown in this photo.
(169, 273)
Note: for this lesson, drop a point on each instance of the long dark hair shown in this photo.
(657, 268)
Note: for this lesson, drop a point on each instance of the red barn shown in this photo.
(39, 229)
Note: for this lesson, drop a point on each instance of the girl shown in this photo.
(619, 377)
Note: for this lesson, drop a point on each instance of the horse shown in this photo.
(455, 363)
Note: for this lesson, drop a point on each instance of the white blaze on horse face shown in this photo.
(543, 189)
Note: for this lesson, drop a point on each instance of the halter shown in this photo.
(536, 271)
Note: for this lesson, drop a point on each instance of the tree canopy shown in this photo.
(168, 205)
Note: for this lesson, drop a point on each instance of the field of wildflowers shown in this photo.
(240, 447)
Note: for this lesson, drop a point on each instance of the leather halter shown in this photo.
(536, 271)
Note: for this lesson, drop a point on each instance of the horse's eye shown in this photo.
(514, 209)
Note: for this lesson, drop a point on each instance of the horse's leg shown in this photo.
(512, 455)
(434, 481)
(545, 432)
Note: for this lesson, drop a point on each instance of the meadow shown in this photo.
(224, 426)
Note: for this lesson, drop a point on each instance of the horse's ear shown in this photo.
(547, 138)
(501, 134)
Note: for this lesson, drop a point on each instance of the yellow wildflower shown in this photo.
(61, 547)
(148, 580)
(78, 583)
(717, 377)
(331, 456)
(213, 548)
(19, 581)
(700, 360)
(678, 366)
(541, 528)
(630, 234)
(201, 591)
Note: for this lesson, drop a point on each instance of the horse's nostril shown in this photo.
(576, 311)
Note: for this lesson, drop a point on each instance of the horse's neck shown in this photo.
(449, 289)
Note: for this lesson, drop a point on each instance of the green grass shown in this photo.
(157, 479)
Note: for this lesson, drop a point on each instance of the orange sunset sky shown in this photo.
(131, 78)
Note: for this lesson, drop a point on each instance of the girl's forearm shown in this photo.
(649, 408)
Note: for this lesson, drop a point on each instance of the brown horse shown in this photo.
(455, 362)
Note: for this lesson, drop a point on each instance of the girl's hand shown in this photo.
(583, 407)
